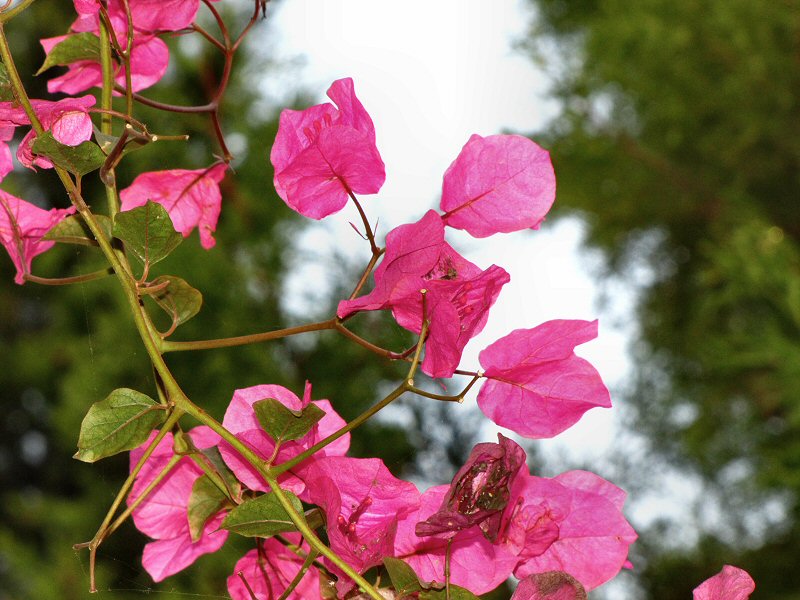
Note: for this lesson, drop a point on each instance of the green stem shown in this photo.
(246, 339)
(296, 460)
(317, 545)
(445, 397)
(143, 496)
(16, 83)
(339, 326)
(201, 460)
(423, 335)
(102, 531)
(67, 280)
(107, 68)
(312, 556)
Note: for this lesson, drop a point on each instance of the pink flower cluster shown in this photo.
(192, 197)
(497, 518)
(149, 55)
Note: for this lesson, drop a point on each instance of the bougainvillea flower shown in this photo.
(571, 523)
(240, 420)
(479, 492)
(363, 503)
(22, 226)
(553, 585)
(500, 183)
(458, 311)
(270, 570)
(163, 514)
(475, 563)
(324, 152)
(731, 583)
(149, 60)
(192, 198)
(535, 384)
(459, 294)
(68, 120)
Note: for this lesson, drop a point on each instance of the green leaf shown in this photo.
(205, 501)
(121, 422)
(147, 232)
(180, 300)
(404, 579)
(79, 160)
(74, 230)
(6, 90)
(262, 517)
(79, 46)
(215, 458)
(284, 424)
(456, 593)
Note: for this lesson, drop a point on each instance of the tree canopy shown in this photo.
(679, 144)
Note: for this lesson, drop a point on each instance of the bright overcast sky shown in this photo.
(431, 73)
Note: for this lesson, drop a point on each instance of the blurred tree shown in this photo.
(64, 348)
(679, 143)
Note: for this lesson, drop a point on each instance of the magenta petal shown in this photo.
(475, 563)
(552, 340)
(412, 251)
(363, 502)
(6, 163)
(593, 535)
(270, 579)
(323, 153)
(149, 60)
(458, 312)
(239, 415)
(163, 513)
(536, 386)
(500, 183)
(732, 583)
(163, 15)
(87, 7)
(80, 76)
(166, 557)
(72, 128)
(192, 198)
(240, 419)
(22, 226)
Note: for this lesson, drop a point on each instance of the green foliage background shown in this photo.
(680, 146)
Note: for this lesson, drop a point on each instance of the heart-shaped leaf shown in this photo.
(79, 160)
(120, 422)
(262, 517)
(404, 579)
(180, 300)
(74, 230)
(205, 501)
(284, 424)
(147, 232)
(75, 47)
